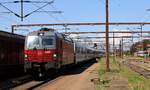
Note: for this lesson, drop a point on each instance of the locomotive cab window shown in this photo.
(33, 42)
(48, 41)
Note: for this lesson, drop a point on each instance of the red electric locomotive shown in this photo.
(46, 49)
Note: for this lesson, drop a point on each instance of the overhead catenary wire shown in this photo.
(6, 26)
(25, 1)
(63, 17)
(38, 9)
(55, 8)
(60, 13)
(46, 12)
(9, 10)
(6, 18)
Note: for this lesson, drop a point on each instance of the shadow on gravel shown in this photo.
(10, 72)
(77, 69)
(71, 70)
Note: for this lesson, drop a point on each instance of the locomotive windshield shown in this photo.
(39, 42)
(47, 41)
(33, 42)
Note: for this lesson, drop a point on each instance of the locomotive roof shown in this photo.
(44, 31)
(49, 32)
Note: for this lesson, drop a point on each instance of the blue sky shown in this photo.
(81, 11)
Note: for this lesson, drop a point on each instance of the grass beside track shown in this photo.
(135, 81)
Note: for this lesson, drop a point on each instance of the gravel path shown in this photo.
(75, 81)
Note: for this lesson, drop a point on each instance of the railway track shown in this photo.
(35, 84)
(139, 67)
(29, 83)
(10, 83)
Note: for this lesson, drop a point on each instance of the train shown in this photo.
(47, 49)
(11, 53)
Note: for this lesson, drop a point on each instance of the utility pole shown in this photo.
(113, 46)
(107, 37)
(141, 27)
(120, 45)
(121, 48)
(132, 45)
(21, 10)
(122, 51)
(12, 29)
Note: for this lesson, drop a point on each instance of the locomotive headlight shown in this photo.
(26, 56)
(54, 55)
(41, 34)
